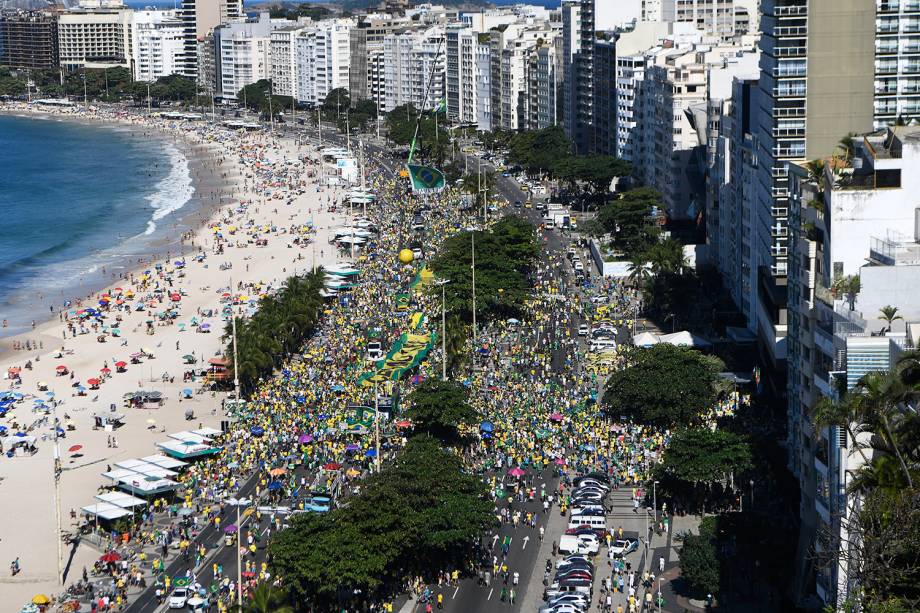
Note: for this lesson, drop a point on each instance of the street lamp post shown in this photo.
(239, 502)
(377, 426)
(655, 498)
(443, 283)
(751, 482)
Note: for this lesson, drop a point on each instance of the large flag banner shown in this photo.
(426, 179)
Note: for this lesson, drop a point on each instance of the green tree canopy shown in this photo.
(504, 257)
(665, 386)
(703, 455)
(699, 562)
(338, 100)
(439, 408)
(539, 151)
(630, 222)
(420, 514)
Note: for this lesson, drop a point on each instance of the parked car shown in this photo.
(179, 598)
(621, 547)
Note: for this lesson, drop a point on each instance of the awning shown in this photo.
(105, 510)
(120, 499)
(164, 461)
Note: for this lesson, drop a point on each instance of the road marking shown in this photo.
(489, 597)
(526, 538)
(455, 592)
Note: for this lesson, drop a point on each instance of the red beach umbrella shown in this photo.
(105, 370)
(112, 556)
(61, 368)
(75, 448)
(93, 382)
(332, 466)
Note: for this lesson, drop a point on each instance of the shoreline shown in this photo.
(196, 212)
(273, 196)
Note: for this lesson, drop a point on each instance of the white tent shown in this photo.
(685, 339)
(646, 339)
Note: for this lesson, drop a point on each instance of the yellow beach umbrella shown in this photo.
(40, 599)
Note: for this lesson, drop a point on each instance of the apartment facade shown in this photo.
(158, 44)
(199, 18)
(95, 38)
(543, 77)
(323, 58)
(461, 76)
(244, 53)
(897, 62)
(847, 221)
(415, 68)
(578, 34)
(284, 67)
(29, 40)
(815, 86)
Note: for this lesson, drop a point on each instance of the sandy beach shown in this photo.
(257, 200)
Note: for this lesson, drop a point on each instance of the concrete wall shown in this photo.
(841, 72)
(895, 285)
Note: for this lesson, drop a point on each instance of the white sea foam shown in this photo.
(173, 191)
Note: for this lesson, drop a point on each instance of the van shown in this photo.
(549, 223)
(578, 544)
(596, 522)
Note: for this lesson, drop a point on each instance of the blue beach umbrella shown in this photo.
(274, 485)
(257, 431)
(370, 453)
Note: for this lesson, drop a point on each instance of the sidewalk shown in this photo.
(533, 585)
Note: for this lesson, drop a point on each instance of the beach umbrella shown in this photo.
(111, 556)
(93, 382)
(274, 485)
(556, 417)
(487, 426)
(588, 447)
(305, 438)
(277, 472)
(105, 370)
(231, 529)
(61, 369)
(370, 453)
(40, 600)
(403, 424)
(332, 466)
(121, 364)
(187, 393)
(517, 471)
(75, 448)
(257, 431)
(560, 461)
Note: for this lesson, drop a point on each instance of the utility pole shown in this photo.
(442, 283)
(377, 426)
(271, 115)
(236, 365)
(148, 98)
(56, 474)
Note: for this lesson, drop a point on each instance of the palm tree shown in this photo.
(845, 413)
(880, 395)
(815, 170)
(267, 599)
(848, 286)
(889, 314)
(638, 271)
(847, 145)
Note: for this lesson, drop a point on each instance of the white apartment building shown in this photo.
(323, 59)
(725, 19)
(851, 221)
(461, 77)
(284, 66)
(671, 133)
(95, 38)
(543, 82)
(244, 54)
(415, 68)
(158, 44)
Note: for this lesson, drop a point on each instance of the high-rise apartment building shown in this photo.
(367, 72)
(284, 67)
(244, 53)
(605, 96)
(323, 58)
(725, 19)
(543, 84)
(461, 78)
(578, 73)
(158, 44)
(847, 221)
(815, 86)
(414, 68)
(28, 40)
(897, 61)
(199, 18)
(95, 38)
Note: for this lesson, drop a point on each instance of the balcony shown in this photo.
(789, 132)
(886, 49)
(791, 11)
(889, 7)
(790, 51)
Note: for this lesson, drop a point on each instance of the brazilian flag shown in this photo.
(426, 179)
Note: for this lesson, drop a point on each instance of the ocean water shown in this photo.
(80, 203)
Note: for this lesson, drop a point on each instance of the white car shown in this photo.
(583, 330)
(374, 351)
(179, 598)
